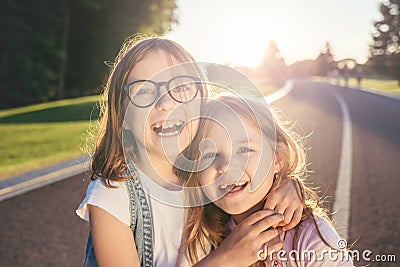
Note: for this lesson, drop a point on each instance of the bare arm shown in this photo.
(113, 241)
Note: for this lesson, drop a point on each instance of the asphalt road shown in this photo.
(40, 228)
(375, 205)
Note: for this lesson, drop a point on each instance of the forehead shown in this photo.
(157, 65)
(226, 126)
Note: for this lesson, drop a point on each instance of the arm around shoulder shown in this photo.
(113, 241)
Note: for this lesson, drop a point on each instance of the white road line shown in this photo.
(40, 181)
(341, 206)
(280, 93)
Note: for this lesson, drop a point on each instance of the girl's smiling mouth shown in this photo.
(231, 189)
(168, 128)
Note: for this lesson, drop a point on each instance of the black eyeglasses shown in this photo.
(144, 93)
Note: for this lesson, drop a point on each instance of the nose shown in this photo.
(165, 101)
(221, 165)
(232, 167)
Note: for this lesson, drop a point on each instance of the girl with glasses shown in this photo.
(134, 202)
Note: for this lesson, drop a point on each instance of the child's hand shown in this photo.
(286, 200)
(242, 246)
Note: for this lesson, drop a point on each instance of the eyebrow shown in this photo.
(246, 141)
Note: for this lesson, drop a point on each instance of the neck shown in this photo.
(238, 218)
(159, 169)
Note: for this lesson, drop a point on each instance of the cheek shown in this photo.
(206, 182)
(129, 119)
(204, 177)
(260, 170)
(263, 183)
(254, 166)
(135, 120)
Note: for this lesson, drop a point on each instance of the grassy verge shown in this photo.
(266, 88)
(389, 86)
(39, 135)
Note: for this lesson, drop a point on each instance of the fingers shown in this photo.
(272, 201)
(295, 219)
(288, 215)
(267, 222)
(270, 238)
(285, 195)
(258, 216)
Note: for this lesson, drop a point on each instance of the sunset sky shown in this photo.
(238, 32)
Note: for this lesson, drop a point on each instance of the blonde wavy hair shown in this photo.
(208, 224)
(108, 161)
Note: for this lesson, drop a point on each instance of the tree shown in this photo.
(385, 50)
(53, 50)
(324, 62)
(98, 29)
(273, 67)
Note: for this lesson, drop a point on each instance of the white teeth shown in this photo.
(240, 183)
(168, 125)
(223, 186)
(171, 124)
(168, 128)
(168, 134)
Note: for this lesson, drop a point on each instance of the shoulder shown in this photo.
(113, 200)
(310, 235)
(309, 240)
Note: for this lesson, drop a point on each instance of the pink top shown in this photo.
(310, 250)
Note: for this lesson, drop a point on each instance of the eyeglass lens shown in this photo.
(182, 89)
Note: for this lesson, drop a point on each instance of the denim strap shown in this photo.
(141, 220)
(141, 224)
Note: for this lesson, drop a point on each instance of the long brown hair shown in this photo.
(108, 161)
(208, 224)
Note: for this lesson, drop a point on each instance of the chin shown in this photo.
(233, 209)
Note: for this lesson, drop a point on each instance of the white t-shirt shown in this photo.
(167, 219)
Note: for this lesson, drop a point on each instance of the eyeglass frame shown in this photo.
(158, 86)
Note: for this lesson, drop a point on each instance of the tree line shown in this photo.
(384, 60)
(385, 49)
(53, 50)
(56, 49)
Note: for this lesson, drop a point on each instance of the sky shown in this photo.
(237, 32)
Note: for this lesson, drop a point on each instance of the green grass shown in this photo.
(389, 86)
(39, 135)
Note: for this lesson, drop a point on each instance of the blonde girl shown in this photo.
(149, 107)
(252, 154)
